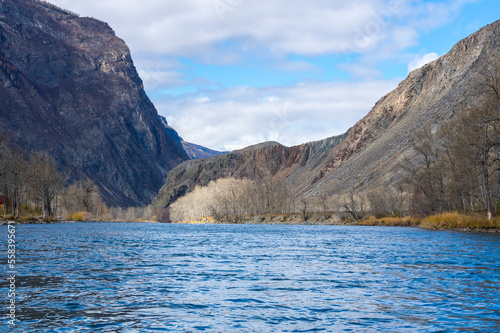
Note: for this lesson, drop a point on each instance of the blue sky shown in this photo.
(231, 73)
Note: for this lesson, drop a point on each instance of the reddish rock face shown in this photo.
(68, 86)
(370, 153)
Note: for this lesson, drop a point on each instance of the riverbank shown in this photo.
(53, 221)
(446, 221)
(26, 220)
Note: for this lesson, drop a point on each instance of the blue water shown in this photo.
(241, 278)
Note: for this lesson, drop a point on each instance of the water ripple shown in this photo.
(223, 278)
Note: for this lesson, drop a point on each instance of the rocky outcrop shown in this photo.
(68, 86)
(370, 153)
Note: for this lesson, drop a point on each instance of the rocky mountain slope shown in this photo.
(68, 86)
(370, 153)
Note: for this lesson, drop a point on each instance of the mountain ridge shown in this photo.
(69, 87)
(370, 153)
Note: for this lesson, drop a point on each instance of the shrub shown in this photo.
(78, 216)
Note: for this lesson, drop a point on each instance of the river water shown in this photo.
(110, 277)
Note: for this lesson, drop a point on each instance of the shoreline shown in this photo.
(290, 223)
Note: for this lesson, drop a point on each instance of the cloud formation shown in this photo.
(238, 117)
(197, 27)
(190, 56)
(213, 28)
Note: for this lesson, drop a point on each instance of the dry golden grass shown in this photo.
(407, 221)
(447, 220)
(456, 220)
(78, 216)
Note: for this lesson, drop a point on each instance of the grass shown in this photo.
(449, 220)
(456, 220)
(407, 221)
(204, 220)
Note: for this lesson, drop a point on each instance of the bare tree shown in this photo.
(83, 196)
(480, 132)
(460, 160)
(323, 201)
(4, 170)
(351, 204)
(378, 203)
(45, 181)
(89, 194)
(17, 168)
(304, 205)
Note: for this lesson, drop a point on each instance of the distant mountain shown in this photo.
(194, 151)
(370, 153)
(68, 86)
(265, 160)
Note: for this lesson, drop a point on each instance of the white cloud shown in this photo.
(225, 32)
(238, 117)
(195, 28)
(279, 35)
(420, 61)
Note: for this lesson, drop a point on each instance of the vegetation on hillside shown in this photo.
(55, 8)
(33, 187)
(453, 181)
(459, 167)
(34, 190)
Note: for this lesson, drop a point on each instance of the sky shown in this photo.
(231, 73)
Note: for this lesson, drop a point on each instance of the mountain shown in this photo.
(68, 86)
(369, 155)
(261, 161)
(194, 151)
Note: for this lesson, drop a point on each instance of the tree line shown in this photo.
(459, 167)
(237, 200)
(455, 166)
(33, 185)
(232, 200)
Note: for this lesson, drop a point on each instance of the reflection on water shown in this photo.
(226, 278)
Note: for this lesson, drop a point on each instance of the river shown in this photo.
(115, 277)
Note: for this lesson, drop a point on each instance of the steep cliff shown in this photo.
(370, 153)
(68, 86)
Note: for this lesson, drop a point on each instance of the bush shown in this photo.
(78, 216)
